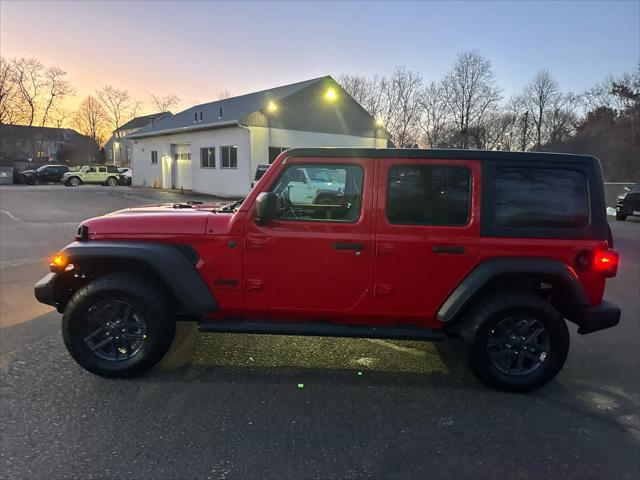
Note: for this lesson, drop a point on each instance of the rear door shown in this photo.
(426, 233)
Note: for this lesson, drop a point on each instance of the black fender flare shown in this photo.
(488, 270)
(175, 265)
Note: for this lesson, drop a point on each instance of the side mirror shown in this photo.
(627, 189)
(266, 208)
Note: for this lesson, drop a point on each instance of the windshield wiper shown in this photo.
(231, 207)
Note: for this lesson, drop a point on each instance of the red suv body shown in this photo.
(427, 244)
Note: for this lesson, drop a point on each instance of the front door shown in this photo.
(315, 256)
(426, 235)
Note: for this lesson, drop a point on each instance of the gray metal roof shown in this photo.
(141, 121)
(222, 112)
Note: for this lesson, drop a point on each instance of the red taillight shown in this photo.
(606, 261)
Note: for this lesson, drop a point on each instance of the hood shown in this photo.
(160, 220)
(28, 172)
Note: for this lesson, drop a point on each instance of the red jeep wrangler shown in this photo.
(496, 248)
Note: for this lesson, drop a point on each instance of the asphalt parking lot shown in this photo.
(247, 406)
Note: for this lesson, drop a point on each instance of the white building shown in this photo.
(216, 147)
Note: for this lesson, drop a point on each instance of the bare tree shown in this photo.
(470, 92)
(57, 88)
(561, 119)
(405, 107)
(7, 92)
(538, 97)
(224, 94)
(374, 94)
(117, 103)
(164, 102)
(28, 77)
(434, 121)
(60, 117)
(91, 119)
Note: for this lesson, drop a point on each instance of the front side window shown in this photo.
(154, 156)
(229, 157)
(540, 197)
(319, 193)
(208, 157)
(437, 195)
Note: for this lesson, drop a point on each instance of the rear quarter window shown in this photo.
(540, 197)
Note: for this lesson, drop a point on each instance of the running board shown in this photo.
(321, 329)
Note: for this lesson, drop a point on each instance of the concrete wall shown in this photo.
(262, 138)
(217, 181)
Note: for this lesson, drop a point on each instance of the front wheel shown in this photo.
(516, 341)
(112, 182)
(620, 217)
(74, 181)
(118, 326)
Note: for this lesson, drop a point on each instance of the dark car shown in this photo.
(44, 174)
(628, 204)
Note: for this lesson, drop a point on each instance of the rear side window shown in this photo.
(539, 197)
(428, 195)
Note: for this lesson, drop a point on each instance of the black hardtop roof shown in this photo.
(450, 154)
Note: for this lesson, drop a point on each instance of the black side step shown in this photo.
(321, 329)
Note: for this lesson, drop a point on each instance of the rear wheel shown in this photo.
(516, 341)
(118, 326)
(620, 217)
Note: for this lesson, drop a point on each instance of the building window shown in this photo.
(182, 156)
(274, 152)
(208, 157)
(229, 157)
(428, 195)
(154, 157)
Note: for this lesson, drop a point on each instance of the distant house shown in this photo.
(216, 147)
(118, 148)
(22, 143)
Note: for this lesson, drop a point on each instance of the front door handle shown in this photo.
(447, 249)
(348, 246)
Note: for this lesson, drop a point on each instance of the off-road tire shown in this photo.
(487, 313)
(620, 217)
(147, 297)
(73, 182)
(111, 182)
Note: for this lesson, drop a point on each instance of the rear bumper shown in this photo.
(605, 315)
(45, 289)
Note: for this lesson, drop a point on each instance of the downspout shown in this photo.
(251, 172)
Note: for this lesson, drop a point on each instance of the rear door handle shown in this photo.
(447, 249)
(348, 246)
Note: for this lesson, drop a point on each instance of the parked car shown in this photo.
(44, 174)
(628, 203)
(491, 249)
(100, 174)
(125, 176)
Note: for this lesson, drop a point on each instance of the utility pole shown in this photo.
(524, 131)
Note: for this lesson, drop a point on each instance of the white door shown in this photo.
(182, 164)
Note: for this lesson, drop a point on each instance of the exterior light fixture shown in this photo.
(272, 107)
(379, 122)
(330, 95)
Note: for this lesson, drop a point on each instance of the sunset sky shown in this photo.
(197, 49)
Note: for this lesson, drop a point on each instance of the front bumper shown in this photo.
(45, 289)
(605, 315)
